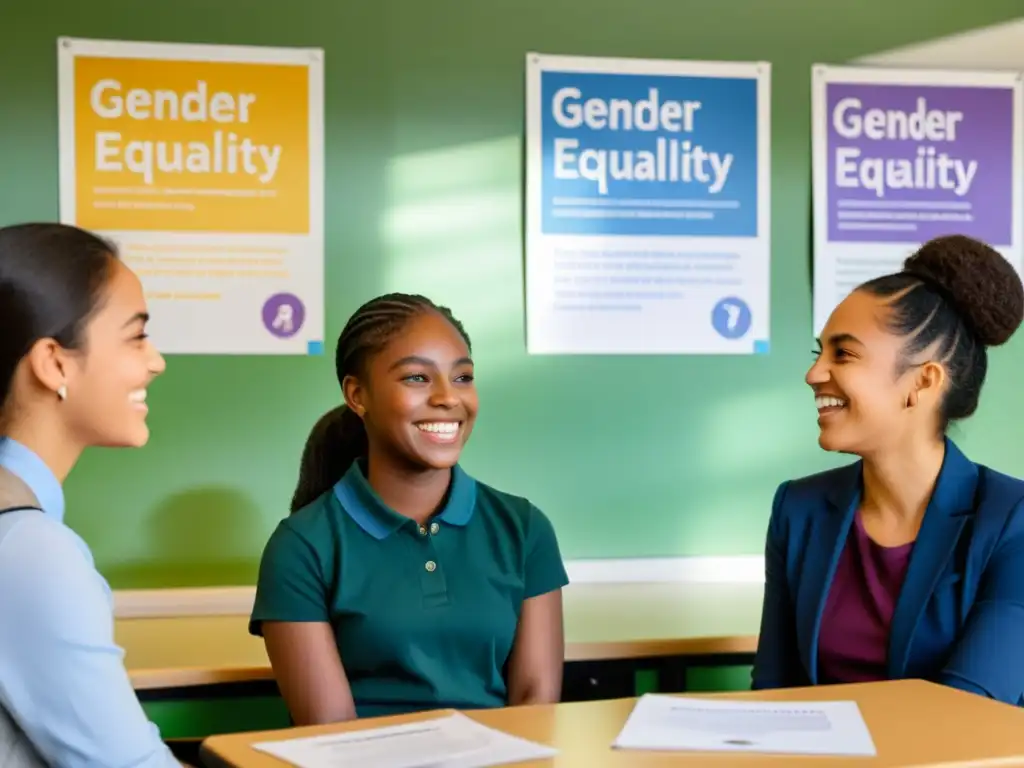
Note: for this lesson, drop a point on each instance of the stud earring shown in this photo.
(62, 391)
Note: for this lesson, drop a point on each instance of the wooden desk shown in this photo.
(603, 622)
(911, 722)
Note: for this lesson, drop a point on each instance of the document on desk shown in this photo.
(672, 723)
(454, 741)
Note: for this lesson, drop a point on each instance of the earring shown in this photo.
(62, 391)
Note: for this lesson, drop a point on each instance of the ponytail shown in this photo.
(335, 442)
(339, 437)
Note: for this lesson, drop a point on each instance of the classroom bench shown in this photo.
(613, 631)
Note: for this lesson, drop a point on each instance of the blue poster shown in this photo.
(647, 206)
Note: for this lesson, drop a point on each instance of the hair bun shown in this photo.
(983, 286)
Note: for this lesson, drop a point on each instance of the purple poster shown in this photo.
(910, 162)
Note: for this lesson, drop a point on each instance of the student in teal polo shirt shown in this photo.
(399, 583)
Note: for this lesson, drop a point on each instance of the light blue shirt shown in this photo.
(62, 677)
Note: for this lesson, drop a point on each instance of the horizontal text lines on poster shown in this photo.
(626, 279)
(206, 262)
(899, 215)
(628, 208)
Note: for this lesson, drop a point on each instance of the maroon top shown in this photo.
(853, 644)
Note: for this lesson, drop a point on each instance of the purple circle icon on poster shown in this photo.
(284, 314)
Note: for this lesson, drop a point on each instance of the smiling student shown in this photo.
(74, 367)
(400, 583)
(908, 563)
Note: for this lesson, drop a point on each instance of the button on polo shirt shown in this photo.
(424, 615)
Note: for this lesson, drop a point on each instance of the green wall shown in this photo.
(630, 456)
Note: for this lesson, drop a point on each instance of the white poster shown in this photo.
(647, 206)
(902, 156)
(204, 164)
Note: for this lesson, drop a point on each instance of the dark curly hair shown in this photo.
(961, 295)
(339, 436)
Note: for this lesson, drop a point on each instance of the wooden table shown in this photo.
(604, 623)
(911, 722)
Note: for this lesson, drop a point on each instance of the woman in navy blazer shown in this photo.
(908, 563)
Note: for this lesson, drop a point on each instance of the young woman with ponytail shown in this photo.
(399, 582)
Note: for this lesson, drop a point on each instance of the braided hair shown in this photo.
(960, 296)
(339, 437)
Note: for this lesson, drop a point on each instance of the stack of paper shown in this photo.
(455, 741)
(660, 722)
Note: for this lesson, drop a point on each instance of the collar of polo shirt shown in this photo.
(363, 505)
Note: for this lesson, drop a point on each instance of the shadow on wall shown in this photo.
(209, 536)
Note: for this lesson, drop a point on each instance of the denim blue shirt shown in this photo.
(62, 677)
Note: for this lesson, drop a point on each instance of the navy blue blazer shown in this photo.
(959, 617)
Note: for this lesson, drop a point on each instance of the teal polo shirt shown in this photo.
(424, 616)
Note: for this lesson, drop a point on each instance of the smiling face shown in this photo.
(417, 397)
(866, 395)
(106, 381)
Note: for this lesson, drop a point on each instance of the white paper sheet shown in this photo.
(669, 723)
(454, 741)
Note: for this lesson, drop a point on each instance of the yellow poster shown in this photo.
(205, 165)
